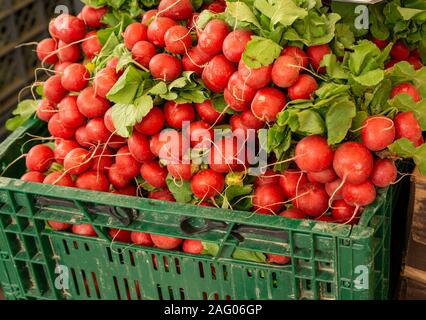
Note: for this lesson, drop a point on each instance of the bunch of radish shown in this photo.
(323, 182)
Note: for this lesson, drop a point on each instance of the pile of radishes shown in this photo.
(323, 182)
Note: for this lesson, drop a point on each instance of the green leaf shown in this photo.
(181, 189)
(22, 113)
(334, 69)
(358, 121)
(380, 96)
(402, 147)
(125, 89)
(220, 104)
(404, 103)
(158, 89)
(234, 192)
(242, 12)
(339, 120)
(284, 12)
(240, 254)
(310, 123)
(330, 89)
(260, 52)
(419, 158)
(370, 78)
(204, 17)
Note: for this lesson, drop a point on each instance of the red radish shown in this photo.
(120, 235)
(208, 113)
(77, 161)
(165, 242)
(217, 7)
(33, 176)
(235, 44)
(117, 179)
(176, 114)
(293, 213)
(75, 77)
(192, 246)
(303, 88)
(169, 145)
(325, 176)
(143, 52)
(97, 132)
(407, 126)
(68, 52)
(381, 44)
(205, 204)
(331, 188)
(361, 194)
(178, 39)
(112, 63)
(269, 177)
(104, 80)
(139, 147)
(69, 114)
(157, 29)
(312, 199)
(152, 123)
(241, 93)
(102, 159)
(81, 137)
(45, 110)
(154, 174)
(165, 67)
(141, 238)
(277, 259)
(268, 199)
(59, 226)
(163, 195)
(217, 73)
(390, 64)
(384, 173)
(46, 51)
(181, 171)
(60, 67)
(134, 33)
(235, 103)
(325, 218)
(53, 89)
(69, 28)
(127, 165)
(353, 162)
(297, 53)
(52, 29)
(175, 9)
(377, 132)
(313, 154)
(91, 45)
(129, 190)
(92, 180)
(84, 230)
(212, 38)
(63, 148)
(316, 54)
(226, 154)
(195, 60)
(343, 212)
(39, 158)
(250, 121)
(415, 62)
(255, 78)
(406, 88)
(291, 181)
(148, 16)
(59, 178)
(58, 130)
(285, 71)
(200, 134)
(415, 53)
(207, 184)
(267, 103)
(92, 17)
(400, 51)
(90, 104)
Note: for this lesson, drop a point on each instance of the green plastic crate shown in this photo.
(326, 259)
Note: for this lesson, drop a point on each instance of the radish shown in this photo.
(163, 195)
(303, 88)
(33, 176)
(63, 148)
(176, 114)
(128, 166)
(154, 174)
(208, 113)
(102, 159)
(400, 51)
(165, 242)
(353, 162)
(60, 67)
(90, 104)
(217, 73)
(390, 64)
(112, 64)
(39, 158)
(325, 176)
(53, 89)
(381, 44)
(104, 80)
(207, 184)
(269, 177)
(165, 67)
(81, 137)
(241, 93)
(59, 226)
(235, 43)
(291, 181)
(148, 16)
(58, 130)
(45, 110)
(175, 9)
(358, 195)
(200, 134)
(267, 103)
(407, 88)
(68, 52)
(192, 246)
(139, 147)
(250, 121)
(91, 45)
(297, 53)
(69, 28)
(45, 51)
(407, 126)
(129, 190)
(152, 123)
(69, 114)
(169, 145)
(52, 30)
(415, 62)
(195, 60)
(157, 30)
(134, 33)
(141, 238)
(277, 259)
(384, 173)
(285, 71)
(268, 199)
(96, 131)
(217, 6)
(312, 199)
(84, 230)
(313, 154)
(181, 171)
(334, 189)
(92, 180)
(325, 218)
(293, 213)
(75, 77)
(226, 155)
(377, 132)
(178, 39)
(59, 178)
(255, 78)
(343, 212)
(212, 38)
(316, 54)
(92, 17)
(143, 52)
(77, 161)
(120, 235)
